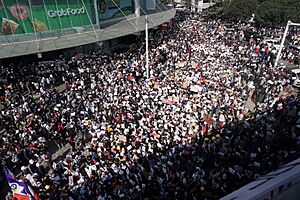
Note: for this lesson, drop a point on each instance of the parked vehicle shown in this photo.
(295, 48)
(273, 42)
(296, 77)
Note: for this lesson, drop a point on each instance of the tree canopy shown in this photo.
(276, 12)
(267, 12)
(240, 9)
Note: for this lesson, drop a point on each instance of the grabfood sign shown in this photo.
(66, 12)
(30, 16)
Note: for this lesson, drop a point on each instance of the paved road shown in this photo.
(288, 65)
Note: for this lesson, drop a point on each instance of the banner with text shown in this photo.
(28, 16)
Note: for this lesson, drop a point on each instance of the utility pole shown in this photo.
(289, 23)
(147, 48)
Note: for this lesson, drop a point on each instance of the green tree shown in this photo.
(291, 10)
(269, 13)
(277, 12)
(239, 9)
(215, 10)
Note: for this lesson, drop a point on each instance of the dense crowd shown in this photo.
(213, 116)
(292, 52)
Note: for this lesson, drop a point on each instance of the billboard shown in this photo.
(110, 9)
(28, 16)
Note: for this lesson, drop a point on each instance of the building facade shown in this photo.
(37, 26)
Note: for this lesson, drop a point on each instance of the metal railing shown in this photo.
(10, 39)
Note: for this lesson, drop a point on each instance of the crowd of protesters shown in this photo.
(292, 52)
(213, 116)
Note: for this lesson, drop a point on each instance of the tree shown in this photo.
(267, 12)
(239, 9)
(215, 10)
(277, 12)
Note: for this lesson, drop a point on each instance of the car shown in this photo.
(295, 48)
(273, 42)
(180, 7)
(296, 77)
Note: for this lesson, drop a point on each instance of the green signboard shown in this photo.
(28, 16)
(109, 9)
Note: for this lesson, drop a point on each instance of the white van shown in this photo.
(296, 77)
(273, 42)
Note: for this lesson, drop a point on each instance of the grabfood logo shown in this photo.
(66, 12)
